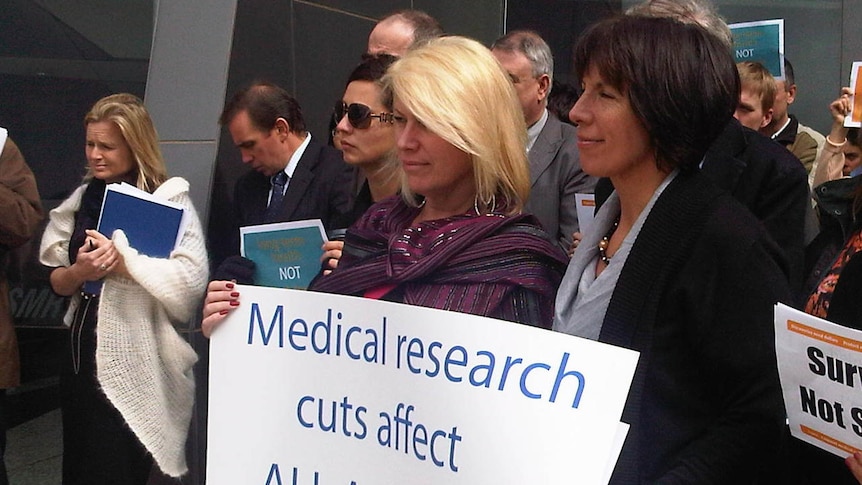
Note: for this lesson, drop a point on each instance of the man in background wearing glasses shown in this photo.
(555, 168)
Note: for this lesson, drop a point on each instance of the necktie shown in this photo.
(278, 182)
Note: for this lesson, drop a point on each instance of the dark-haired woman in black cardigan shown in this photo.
(674, 267)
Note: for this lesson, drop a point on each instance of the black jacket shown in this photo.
(695, 298)
(767, 179)
(838, 221)
(770, 181)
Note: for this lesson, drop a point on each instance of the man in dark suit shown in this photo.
(555, 169)
(770, 182)
(400, 30)
(295, 177)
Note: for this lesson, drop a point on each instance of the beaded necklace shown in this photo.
(606, 240)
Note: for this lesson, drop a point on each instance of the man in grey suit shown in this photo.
(555, 168)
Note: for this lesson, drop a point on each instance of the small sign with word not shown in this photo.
(761, 41)
(286, 254)
(820, 365)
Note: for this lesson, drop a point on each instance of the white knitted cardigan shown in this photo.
(143, 365)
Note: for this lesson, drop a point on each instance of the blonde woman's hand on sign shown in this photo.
(222, 298)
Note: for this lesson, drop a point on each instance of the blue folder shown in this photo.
(151, 226)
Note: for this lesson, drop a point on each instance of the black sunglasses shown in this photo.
(359, 115)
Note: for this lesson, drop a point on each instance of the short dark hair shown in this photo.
(681, 81)
(561, 99)
(425, 27)
(372, 68)
(789, 78)
(265, 103)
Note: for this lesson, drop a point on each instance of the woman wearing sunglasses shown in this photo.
(454, 238)
(366, 136)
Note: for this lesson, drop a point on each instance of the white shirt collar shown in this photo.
(775, 135)
(294, 159)
(536, 128)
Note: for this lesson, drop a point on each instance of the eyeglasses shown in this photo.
(359, 115)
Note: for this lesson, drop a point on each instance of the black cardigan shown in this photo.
(696, 297)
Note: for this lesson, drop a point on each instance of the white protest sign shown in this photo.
(854, 118)
(310, 388)
(586, 209)
(616, 450)
(820, 365)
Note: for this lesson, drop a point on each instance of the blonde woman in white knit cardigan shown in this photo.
(128, 389)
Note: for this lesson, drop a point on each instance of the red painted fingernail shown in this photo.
(223, 312)
(229, 285)
(234, 294)
(234, 303)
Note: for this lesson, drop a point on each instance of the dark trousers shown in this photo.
(98, 446)
(4, 480)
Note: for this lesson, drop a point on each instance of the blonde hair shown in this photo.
(457, 89)
(127, 111)
(755, 76)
